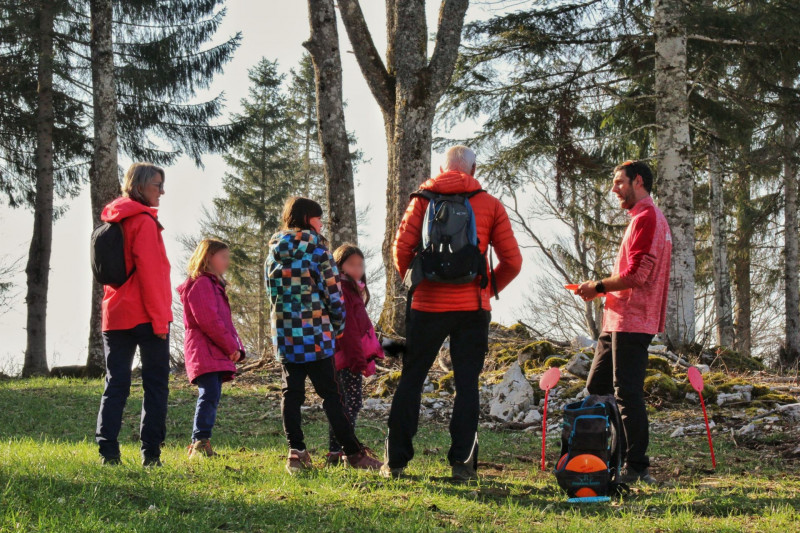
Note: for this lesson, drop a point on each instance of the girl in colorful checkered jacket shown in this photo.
(307, 316)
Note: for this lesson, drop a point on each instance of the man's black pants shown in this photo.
(469, 342)
(619, 367)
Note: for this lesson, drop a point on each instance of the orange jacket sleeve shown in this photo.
(408, 234)
(505, 248)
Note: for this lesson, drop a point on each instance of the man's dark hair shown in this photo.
(637, 168)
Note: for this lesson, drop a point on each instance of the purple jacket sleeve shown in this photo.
(350, 342)
(202, 302)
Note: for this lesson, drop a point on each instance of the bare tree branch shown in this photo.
(380, 82)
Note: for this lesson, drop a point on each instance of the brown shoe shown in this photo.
(298, 461)
(201, 448)
(334, 459)
(363, 459)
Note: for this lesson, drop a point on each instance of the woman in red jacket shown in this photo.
(137, 313)
(358, 347)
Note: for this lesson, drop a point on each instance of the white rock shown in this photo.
(657, 349)
(680, 432)
(532, 416)
(511, 395)
(579, 365)
(374, 403)
(704, 369)
(581, 343)
(790, 411)
(749, 428)
(723, 398)
(692, 397)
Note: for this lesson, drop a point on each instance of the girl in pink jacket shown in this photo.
(211, 345)
(358, 346)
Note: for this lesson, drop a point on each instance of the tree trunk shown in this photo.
(719, 249)
(407, 88)
(262, 294)
(674, 165)
(791, 352)
(741, 261)
(38, 267)
(334, 144)
(103, 175)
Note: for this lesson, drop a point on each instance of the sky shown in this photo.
(274, 29)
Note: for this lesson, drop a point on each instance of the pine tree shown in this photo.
(160, 61)
(264, 170)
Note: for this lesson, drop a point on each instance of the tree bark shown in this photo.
(334, 144)
(103, 175)
(719, 249)
(38, 267)
(741, 260)
(791, 351)
(407, 88)
(674, 165)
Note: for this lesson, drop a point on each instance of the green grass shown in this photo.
(51, 479)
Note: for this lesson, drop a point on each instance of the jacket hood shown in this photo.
(184, 287)
(452, 182)
(293, 244)
(123, 207)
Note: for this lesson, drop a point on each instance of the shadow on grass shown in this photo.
(120, 503)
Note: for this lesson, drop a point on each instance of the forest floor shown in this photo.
(51, 478)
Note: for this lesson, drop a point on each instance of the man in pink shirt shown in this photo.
(635, 311)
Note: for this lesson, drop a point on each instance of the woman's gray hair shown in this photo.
(137, 177)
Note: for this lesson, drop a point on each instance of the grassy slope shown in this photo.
(50, 478)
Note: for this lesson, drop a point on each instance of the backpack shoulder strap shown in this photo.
(473, 193)
(424, 193)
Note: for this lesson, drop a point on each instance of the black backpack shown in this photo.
(108, 253)
(592, 426)
(448, 251)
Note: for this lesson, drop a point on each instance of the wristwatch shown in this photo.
(599, 287)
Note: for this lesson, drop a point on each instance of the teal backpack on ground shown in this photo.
(592, 426)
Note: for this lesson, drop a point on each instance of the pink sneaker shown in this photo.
(298, 461)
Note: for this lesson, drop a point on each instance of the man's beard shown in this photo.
(628, 202)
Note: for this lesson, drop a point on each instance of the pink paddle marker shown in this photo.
(696, 379)
(547, 382)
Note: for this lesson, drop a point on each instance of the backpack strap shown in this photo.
(158, 225)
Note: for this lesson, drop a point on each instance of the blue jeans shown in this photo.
(210, 389)
(120, 347)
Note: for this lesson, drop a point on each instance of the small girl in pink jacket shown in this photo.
(211, 344)
(358, 347)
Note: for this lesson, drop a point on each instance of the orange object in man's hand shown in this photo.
(572, 287)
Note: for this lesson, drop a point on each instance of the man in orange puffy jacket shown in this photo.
(439, 310)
